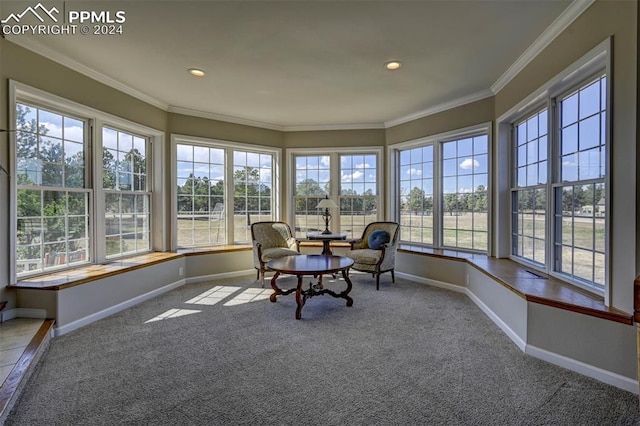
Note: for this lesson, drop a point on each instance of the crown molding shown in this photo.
(575, 9)
(440, 108)
(321, 127)
(74, 65)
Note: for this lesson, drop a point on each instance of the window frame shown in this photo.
(393, 153)
(578, 75)
(334, 154)
(132, 191)
(229, 148)
(95, 119)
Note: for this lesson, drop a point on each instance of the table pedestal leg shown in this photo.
(300, 298)
(276, 290)
(345, 294)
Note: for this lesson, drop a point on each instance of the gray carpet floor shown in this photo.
(407, 354)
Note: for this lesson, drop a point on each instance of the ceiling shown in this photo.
(299, 64)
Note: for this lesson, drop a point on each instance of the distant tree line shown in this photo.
(201, 194)
(418, 202)
(309, 193)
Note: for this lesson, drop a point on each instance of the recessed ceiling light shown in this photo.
(196, 72)
(393, 65)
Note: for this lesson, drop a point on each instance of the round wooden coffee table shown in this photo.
(310, 264)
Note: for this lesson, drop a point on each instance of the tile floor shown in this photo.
(15, 335)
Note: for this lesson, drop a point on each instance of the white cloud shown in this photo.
(363, 166)
(354, 176)
(414, 172)
(469, 164)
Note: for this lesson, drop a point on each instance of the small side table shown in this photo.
(326, 240)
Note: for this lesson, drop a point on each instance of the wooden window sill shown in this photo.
(534, 287)
(84, 274)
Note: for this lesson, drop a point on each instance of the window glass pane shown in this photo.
(200, 213)
(127, 217)
(308, 192)
(52, 220)
(249, 190)
(465, 197)
(358, 193)
(416, 206)
(580, 219)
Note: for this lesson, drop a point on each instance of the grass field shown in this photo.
(582, 248)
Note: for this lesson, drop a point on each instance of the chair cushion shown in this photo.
(276, 253)
(364, 256)
(377, 239)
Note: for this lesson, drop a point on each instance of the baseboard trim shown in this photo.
(220, 276)
(434, 283)
(588, 370)
(74, 325)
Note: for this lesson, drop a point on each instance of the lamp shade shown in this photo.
(327, 204)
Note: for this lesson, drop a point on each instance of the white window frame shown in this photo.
(334, 155)
(20, 92)
(598, 60)
(228, 148)
(393, 154)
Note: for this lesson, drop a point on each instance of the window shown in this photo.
(465, 165)
(558, 201)
(127, 198)
(313, 174)
(416, 194)
(529, 197)
(208, 192)
(579, 194)
(252, 177)
(62, 218)
(357, 193)
(52, 199)
(200, 196)
(443, 189)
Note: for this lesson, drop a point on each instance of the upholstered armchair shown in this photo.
(271, 240)
(376, 251)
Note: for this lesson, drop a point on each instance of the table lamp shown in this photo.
(326, 204)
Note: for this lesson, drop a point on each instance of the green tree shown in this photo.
(416, 201)
(304, 190)
(249, 194)
(481, 203)
(450, 203)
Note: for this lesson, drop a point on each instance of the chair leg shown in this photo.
(257, 274)
(393, 277)
(378, 281)
(262, 278)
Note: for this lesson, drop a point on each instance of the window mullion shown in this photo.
(228, 194)
(553, 170)
(334, 189)
(437, 196)
(98, 204)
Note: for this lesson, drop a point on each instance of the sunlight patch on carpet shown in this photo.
(250, 295)
(214, 295)
(173, 313)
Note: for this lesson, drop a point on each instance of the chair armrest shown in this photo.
(293, 244)
(356, 244)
